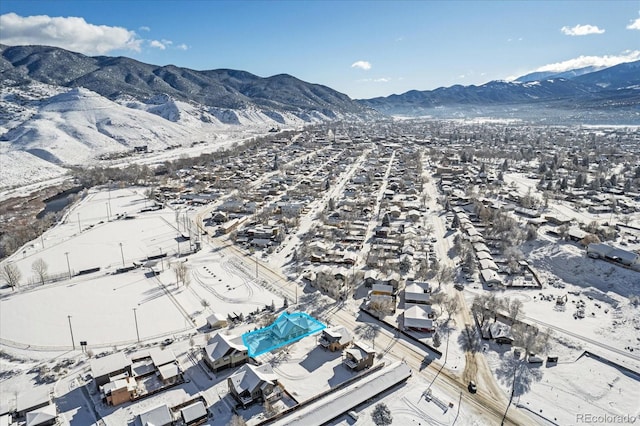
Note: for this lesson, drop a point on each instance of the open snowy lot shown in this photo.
(102, 307)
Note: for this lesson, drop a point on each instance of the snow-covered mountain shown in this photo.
(44, 128)
(65, 108)
(611, 94)
(553, 75)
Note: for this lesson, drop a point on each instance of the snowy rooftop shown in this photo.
(287, 329)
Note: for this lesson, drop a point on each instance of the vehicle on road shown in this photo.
(473, 388)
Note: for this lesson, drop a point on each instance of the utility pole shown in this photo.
(79, 227)
(135, 317)
(161, 259)
(108, 218)
(73, 343)
(109, 209)
(66, 253)
(122, 254)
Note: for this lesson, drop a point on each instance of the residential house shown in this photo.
(114, 365)
(500, 332)
(224, 351)
(359, 356)
(418, 318)
(157, 416)
(417, 292)
(194, 414)
(119, 391)
(383, 289)
(370, 277)
(33, 399)
(335, 338)
(254, 383)
(605, 251)
(490, 277)
(167, 365)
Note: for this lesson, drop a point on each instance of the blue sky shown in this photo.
(361, 48)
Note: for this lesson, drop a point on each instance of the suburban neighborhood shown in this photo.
(461, 272)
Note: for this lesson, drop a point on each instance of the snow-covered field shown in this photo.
(100, 305)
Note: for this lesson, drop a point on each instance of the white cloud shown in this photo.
(363, 65)
(376, 80)
(157, 44)
(70, 33)
(581, 30)
(587, 61)
(635, 25)
(74, 33)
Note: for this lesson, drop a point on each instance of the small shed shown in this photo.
(43, 416)
(217, 320)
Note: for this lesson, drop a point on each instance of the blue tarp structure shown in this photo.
(288, 328)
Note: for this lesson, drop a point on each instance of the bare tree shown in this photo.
(382, 307)
(445, 275)
(451, 306)
(530, 338)
(182, 273)
(11, 275)
(484, 307)
(515, 309)
(40, 268)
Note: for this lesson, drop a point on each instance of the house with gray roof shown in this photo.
(254, 383)
(335, 338)
(224, 351)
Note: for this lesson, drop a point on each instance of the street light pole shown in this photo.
(73, 343)
(135, 317)
(66, 253)
(79, 227)
(122, 254)
(161, 259)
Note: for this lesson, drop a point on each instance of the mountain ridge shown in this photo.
(112, 77)
(615, 89)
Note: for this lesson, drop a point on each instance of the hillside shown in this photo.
(112, 77)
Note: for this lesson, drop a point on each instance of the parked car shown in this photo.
(472, 387)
